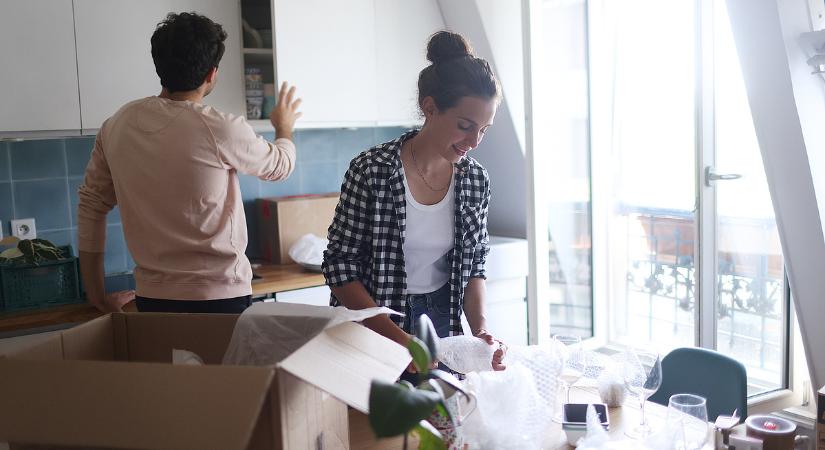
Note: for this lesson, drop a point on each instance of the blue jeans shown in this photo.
(436, 305)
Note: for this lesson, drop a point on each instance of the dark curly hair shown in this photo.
(455, 72)
(185, 47)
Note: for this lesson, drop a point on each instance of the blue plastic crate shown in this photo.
(42, 285)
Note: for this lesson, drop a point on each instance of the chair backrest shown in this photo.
(720, 379)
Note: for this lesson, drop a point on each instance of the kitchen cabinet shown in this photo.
(402, 30)
(38, 82)
(327, 49)
(114, 60)
(355, 65)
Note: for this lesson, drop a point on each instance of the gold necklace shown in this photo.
(421, 174)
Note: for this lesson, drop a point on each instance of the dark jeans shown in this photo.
(235, 305)
(436, 305)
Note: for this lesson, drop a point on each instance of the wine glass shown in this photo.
(687, 419)
(642, 373)
(574, 364)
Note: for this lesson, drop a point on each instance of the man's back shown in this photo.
(171, 166)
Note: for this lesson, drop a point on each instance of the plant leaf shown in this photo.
(425, 331)
(27, 248)
(420, 355)
(395, 409)
(429, 438)
(11, 253)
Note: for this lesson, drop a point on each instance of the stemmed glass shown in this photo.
(642, 373)
(574, 363)
(687, 419)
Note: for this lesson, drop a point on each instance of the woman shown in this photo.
(410, 229)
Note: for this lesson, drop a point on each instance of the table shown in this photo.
(621, 419)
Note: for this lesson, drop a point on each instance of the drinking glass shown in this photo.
(642, 373)
(687, 420)
(574, 364)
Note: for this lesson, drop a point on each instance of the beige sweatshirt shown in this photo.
(172, 168)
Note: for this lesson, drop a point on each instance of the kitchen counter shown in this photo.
(274, 278)
(284, 277)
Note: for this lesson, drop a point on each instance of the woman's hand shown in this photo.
(498, 355)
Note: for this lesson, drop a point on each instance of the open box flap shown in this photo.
(130, 405)
(344, 359)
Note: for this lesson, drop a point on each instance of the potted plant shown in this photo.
(400, 408)
(30, 251)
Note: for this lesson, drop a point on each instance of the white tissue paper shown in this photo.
(186, 357)
(308, 249)
(266, 333)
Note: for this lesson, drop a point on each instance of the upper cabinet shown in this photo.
(114, 54)
(38, 82)
(327, 49)
(354, 63)
(402, 31)
(69, 65)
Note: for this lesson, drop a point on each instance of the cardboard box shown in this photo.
(109, 383)
(282, 220)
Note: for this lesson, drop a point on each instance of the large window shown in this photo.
(657, 205)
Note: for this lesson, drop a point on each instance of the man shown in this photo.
(171, 164)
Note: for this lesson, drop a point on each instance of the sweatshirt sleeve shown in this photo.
(238, 147)
(96, 197)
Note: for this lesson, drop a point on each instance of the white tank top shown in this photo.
(428, 240)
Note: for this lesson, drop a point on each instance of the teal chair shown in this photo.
(720, 379)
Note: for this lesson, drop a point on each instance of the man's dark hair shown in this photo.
(185, 47)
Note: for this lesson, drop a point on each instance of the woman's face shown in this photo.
(459, 129)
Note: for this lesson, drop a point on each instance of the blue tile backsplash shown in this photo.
(39, 178)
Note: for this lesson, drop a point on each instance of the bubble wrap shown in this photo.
(466, 354)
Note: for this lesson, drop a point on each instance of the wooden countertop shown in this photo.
(275, 278)
(284, 277)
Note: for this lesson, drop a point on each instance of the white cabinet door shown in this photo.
(114, 53)
(38, 81)
(402, 29)
(327, 49)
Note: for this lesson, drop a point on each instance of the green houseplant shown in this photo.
(30, 251)
(401, 408)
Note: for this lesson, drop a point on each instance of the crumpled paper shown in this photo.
(266, 333)
(308, 249)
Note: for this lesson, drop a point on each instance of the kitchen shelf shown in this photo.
(258, 55)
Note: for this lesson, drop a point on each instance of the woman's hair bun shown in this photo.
(446, 45)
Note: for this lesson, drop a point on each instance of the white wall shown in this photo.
(494, 29)
(788, 109)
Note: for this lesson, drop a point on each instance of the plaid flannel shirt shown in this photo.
(367, 232)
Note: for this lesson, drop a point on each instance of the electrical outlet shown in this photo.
(23, 228)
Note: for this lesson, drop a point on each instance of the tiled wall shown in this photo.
(39, 178)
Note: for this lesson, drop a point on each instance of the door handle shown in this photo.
(711, 175)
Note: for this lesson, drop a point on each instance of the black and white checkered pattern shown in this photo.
(366, 235)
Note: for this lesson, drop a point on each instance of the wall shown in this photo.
(39, 178)
(787, 106)
(494, 30)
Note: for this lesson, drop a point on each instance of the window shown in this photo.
(659, 226)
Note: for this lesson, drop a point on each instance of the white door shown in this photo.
(327, 49)
(114, 54)
(38, 82)
(402, 28)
